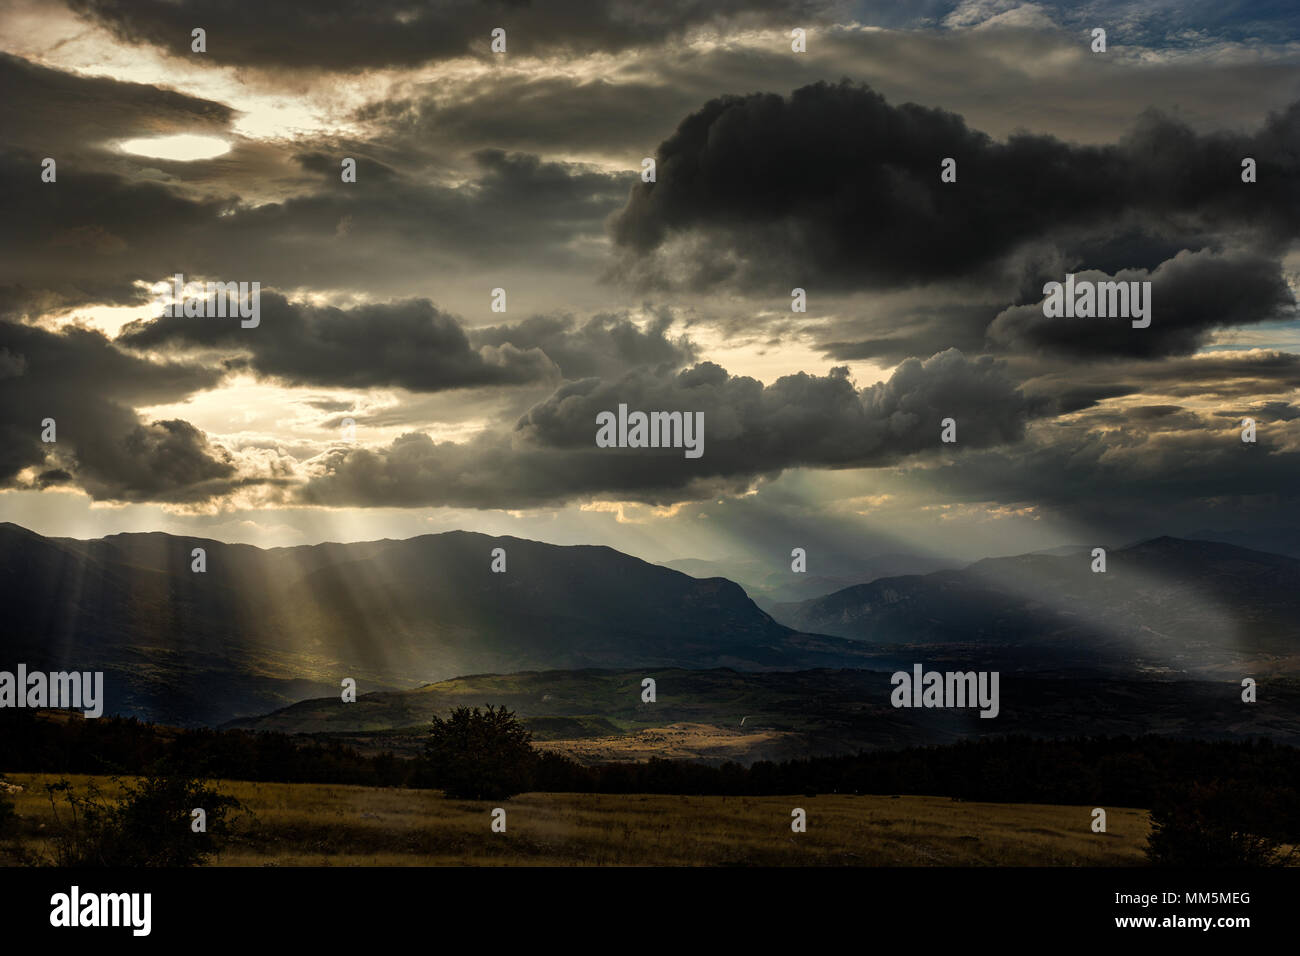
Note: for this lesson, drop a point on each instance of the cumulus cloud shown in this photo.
(408, 344)
(1126, 464)
(835, 186)
(414, 345)
(750, 430)
(604, 345)
(89, 388)
(1190, 294)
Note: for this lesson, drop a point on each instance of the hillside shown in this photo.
(715, 715)
(261, 628)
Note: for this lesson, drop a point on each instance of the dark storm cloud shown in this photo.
(1190, 295)
(331, 405)
(409, 344)
(1115, 467)
(835, 187)
(380, 231)
(56, 293)
(413, 345)
(348, 36)
(50, 110)
(605, 345)
(55, 476)
(87, 237)
(1149, 418)
(597, 115)
(515, 207)
(369, 171)
(89, 388)
(1077, 398)
(1229, 378)
(636, 101)
(802, 419)
(921, 330)
(1092, 468)
(159, 461)
(1223, 374)
(750, 430)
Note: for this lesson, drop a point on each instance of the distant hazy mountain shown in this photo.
(261, 628)
(1065, 550)
(1167, 606)
(772, 582)
(1278, 540)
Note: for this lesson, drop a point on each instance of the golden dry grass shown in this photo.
(327, 825)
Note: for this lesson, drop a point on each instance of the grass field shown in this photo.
(326, 825)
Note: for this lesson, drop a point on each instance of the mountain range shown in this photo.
(772, 582)
(1168, 607)
(263, 628)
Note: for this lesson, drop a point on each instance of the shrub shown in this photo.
(6, 808)
(150, 825)
(1215, 825)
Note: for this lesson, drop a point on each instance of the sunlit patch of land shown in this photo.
(682, 741)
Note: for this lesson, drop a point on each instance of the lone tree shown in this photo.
(480, 754)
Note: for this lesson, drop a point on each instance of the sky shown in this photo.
(775, 170)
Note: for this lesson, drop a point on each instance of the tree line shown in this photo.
(1226, 801)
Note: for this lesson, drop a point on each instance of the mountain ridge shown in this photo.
(1161, 603)
(389, 614)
